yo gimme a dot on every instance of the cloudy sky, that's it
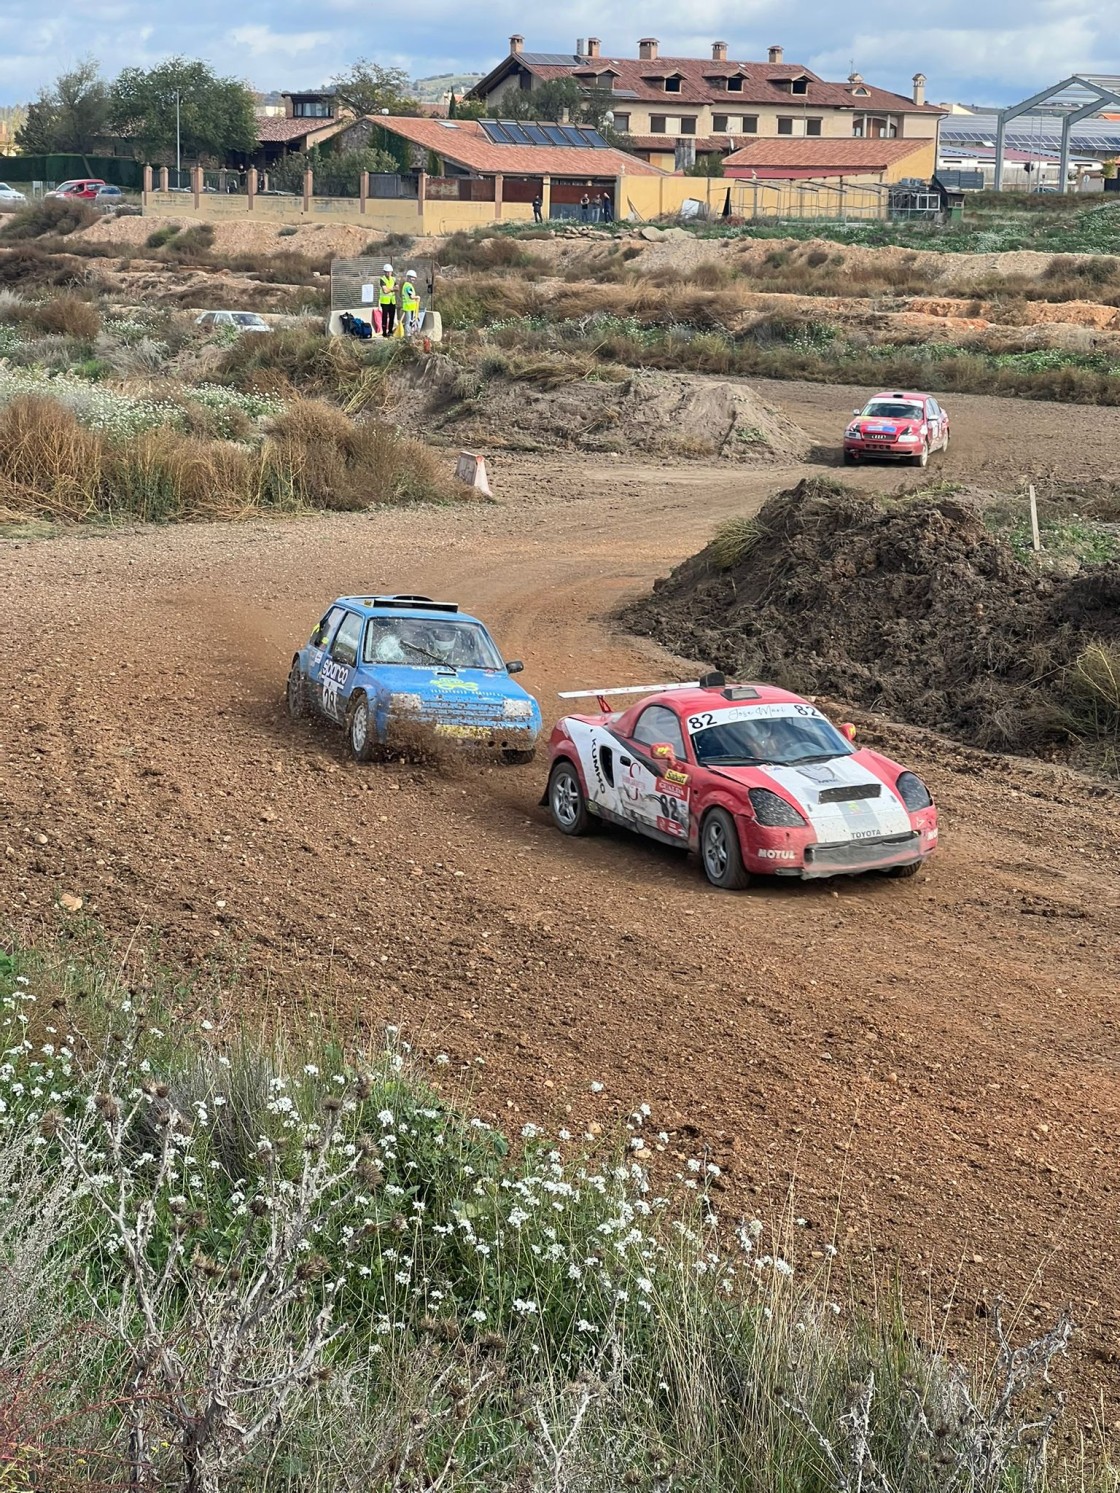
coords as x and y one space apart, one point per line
971 50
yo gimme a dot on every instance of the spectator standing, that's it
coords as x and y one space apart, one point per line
585 208
387 287
410 304
608 208
538 204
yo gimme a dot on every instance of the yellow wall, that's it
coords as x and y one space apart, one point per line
381 214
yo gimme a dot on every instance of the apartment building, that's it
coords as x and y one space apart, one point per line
715 104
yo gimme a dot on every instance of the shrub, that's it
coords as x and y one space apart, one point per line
190 245
288 232
310 361
162 235
53 215
472 252
1093 686
68 315
312 456
733 541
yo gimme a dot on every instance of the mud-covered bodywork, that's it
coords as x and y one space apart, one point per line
405 662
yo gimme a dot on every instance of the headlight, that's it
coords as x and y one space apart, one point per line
913 792
405 702
771 810
908 439
518 708
853 430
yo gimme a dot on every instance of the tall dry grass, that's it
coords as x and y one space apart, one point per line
312 456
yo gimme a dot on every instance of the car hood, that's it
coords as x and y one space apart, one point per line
452 688
881 426
846 798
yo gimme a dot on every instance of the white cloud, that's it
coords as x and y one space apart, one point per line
262 41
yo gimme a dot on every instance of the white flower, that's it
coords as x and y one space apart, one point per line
530 1132
525 1308
311 1070
387 1118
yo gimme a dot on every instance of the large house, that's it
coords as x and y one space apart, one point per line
716 104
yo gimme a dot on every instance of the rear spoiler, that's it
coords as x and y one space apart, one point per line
603 695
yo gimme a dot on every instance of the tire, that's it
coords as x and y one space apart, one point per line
903 873
720 856
360 735
922 458
945 442
566 802
850 458
515 757
298 708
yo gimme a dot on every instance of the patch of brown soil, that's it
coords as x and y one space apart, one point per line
662 413
912 608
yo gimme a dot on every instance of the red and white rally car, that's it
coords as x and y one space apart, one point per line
897 427
754 778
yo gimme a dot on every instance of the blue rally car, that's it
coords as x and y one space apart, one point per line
377 661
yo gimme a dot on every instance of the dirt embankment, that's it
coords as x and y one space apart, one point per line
913 608
657 413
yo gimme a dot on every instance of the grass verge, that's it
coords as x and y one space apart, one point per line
238 1262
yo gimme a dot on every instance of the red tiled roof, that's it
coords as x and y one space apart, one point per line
276 128
464 142
761 84
821 153
705 144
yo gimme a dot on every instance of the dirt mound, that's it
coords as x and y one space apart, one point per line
908 606
552 405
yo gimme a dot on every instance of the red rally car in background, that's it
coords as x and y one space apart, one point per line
753 778
897 427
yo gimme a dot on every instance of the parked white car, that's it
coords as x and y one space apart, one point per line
9 197
244 321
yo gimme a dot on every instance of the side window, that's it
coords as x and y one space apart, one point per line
344 650
659 724
322 635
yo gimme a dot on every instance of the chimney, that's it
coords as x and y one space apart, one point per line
919 88
776 55
516 45
593 46
719 51
647 48
581 47
855 79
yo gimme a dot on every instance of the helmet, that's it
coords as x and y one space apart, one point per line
412 274
442 640
387 269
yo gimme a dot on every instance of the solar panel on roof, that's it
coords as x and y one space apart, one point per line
555 134
536 134
571 136
515 132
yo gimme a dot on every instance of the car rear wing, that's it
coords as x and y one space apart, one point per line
603 696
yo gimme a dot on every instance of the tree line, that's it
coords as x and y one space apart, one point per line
180 103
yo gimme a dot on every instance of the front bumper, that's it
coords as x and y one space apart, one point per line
882 450
855 856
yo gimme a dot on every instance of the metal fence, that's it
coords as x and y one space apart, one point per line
354 282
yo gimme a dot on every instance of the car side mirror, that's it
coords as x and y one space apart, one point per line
848 730
514 666
664 751
857 412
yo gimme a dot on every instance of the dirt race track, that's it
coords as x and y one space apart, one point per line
941 1055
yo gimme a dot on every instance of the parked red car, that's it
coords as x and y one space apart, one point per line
81 186
897 427
756 780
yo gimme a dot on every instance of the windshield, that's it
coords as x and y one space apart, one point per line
426 642
248 319
742 738
893 409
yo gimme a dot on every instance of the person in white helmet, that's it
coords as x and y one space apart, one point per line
410 304
388 297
